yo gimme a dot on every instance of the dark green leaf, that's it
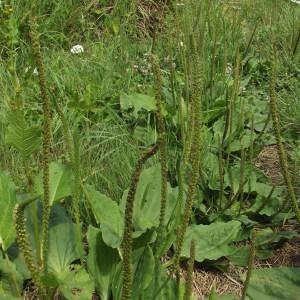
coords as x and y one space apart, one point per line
101 262
163 286
137 102
62 247
108 215
76 284
147 200
212 241
11 281
275 284
60 182
267 236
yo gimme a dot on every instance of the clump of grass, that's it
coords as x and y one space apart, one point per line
280 147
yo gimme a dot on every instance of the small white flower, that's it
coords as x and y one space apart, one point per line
229 69
296 1
77 49
181 44
35 71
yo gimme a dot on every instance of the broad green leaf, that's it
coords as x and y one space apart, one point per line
147 200
262 189
108 215
137 102
267 236
272 205
60 182
62 247
242 143
163 286
10 279
281 283
62 240
50 280
143 270
240 257
210 167
212 241
20 135
76 284
101 262
142 267
7 202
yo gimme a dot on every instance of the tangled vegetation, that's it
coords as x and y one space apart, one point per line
131 137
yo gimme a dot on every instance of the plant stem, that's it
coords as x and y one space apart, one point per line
195 152
250 265
161 144
46 140
189 280
128 226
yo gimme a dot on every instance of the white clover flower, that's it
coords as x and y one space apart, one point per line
77 49
35 71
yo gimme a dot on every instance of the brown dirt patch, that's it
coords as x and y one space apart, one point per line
223 283
288 254
268 162
151 15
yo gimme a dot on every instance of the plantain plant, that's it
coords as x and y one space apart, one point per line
196 81
207 120
36 48
161 142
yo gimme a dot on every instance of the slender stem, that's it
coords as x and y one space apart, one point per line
195 151
128 226
46 140
250 265
161 144
189 280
